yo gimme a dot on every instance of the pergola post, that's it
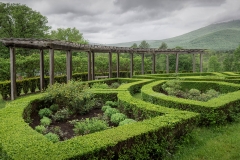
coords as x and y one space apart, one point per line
177 58
69 65
93 65
110 64
201 62
167 63
89 66
194 63
118 65
153 63
41 70
142 63
131 65
13 73
51 66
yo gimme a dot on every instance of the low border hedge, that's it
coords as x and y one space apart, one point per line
150 138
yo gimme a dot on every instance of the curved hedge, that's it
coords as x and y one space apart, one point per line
214 111
151 138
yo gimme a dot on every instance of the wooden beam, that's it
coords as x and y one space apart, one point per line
167 63
93 65
110 64
131 65
13 73
41 70
177 60
153 64
51 66
201 62
118 66
194 63
69 65
89 66
142 63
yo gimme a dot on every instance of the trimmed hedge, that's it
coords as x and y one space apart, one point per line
215 111
151 138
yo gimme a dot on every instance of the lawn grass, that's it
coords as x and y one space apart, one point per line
2 102
211 143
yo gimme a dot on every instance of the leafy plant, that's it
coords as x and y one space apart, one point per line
45 121
52 137
54 107
110 111
89 126
61 115
117 118
111 103
115 85
127 121
45 112
100 86
41 129
104 108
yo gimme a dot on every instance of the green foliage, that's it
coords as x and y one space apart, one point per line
89 126
163 46
100 86
45 112
213 64
45 121
115 85
52 137
104 108
144 44
41 129
110 111
117 118
127 121
54 107
61 115
134 45
76 95
111 103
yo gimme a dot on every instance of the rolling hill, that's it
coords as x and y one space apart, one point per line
219 36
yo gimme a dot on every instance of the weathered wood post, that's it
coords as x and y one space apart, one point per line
177 58
69 65
167 63
93 65
118 65
51 66
194 63
13 73
110 64
89 66
201 62
41 70
131 65
142 63
153 63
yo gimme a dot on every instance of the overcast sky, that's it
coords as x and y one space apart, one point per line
116 21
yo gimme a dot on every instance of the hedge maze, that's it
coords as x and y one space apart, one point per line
162 120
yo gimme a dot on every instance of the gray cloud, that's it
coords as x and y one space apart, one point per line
112 21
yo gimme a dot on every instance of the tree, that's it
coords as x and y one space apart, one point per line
213 64
134 45
163 46
236 61
69 34
20 21
144 44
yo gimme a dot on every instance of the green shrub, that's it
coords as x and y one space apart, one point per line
76 95
45 112
110 111
104 108
100 86
41 129
52 137
212 93
54 107
111 103
45 121
61 115
115 85
89 126
127 121
117 118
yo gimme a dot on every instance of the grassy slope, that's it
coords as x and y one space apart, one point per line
215 36
2 102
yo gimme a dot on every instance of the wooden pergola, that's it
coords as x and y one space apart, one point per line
51 45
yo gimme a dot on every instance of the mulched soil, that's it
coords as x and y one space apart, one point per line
66 127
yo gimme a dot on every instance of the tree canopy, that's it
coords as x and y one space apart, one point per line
144 44
163 46
134 45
